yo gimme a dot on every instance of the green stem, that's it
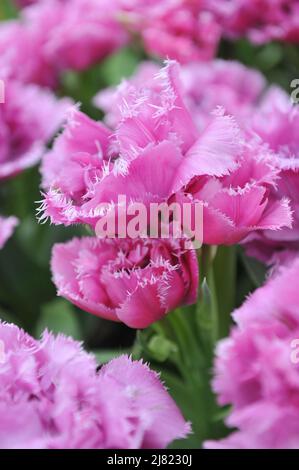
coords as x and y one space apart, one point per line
205 258
195 331
194 367
225 267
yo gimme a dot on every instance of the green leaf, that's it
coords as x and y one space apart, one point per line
37 240
7 10
161 348
9 317
58 316
256 270
207 323
118 66
221 414
24 286
270 56
204 307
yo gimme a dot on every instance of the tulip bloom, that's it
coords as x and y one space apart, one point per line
184 30
133 281
205 86
157 154
261 20
29 117
257 367
276 121
57 35
53 397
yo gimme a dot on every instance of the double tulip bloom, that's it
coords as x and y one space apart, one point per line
256 368
52 396
133 281
156 153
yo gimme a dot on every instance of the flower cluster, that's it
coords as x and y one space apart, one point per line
200 138
205 86
56 35
52 397
269 120
231 173
260 20
185 30
218 165
257 367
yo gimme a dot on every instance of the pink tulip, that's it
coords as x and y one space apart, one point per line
205 86
79 160
29 117
184 30
57 35
224 83
276 121
257 367
134 281
53 397
261 20
157 154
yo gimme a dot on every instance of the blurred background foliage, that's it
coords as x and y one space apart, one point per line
28 297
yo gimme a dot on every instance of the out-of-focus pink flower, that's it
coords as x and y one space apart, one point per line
23 39
229 84
184 30
25 3
133 281
178 29
261 20
7 227
29 117
55 36
205 86
276 121
157 154
257 367
52 397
